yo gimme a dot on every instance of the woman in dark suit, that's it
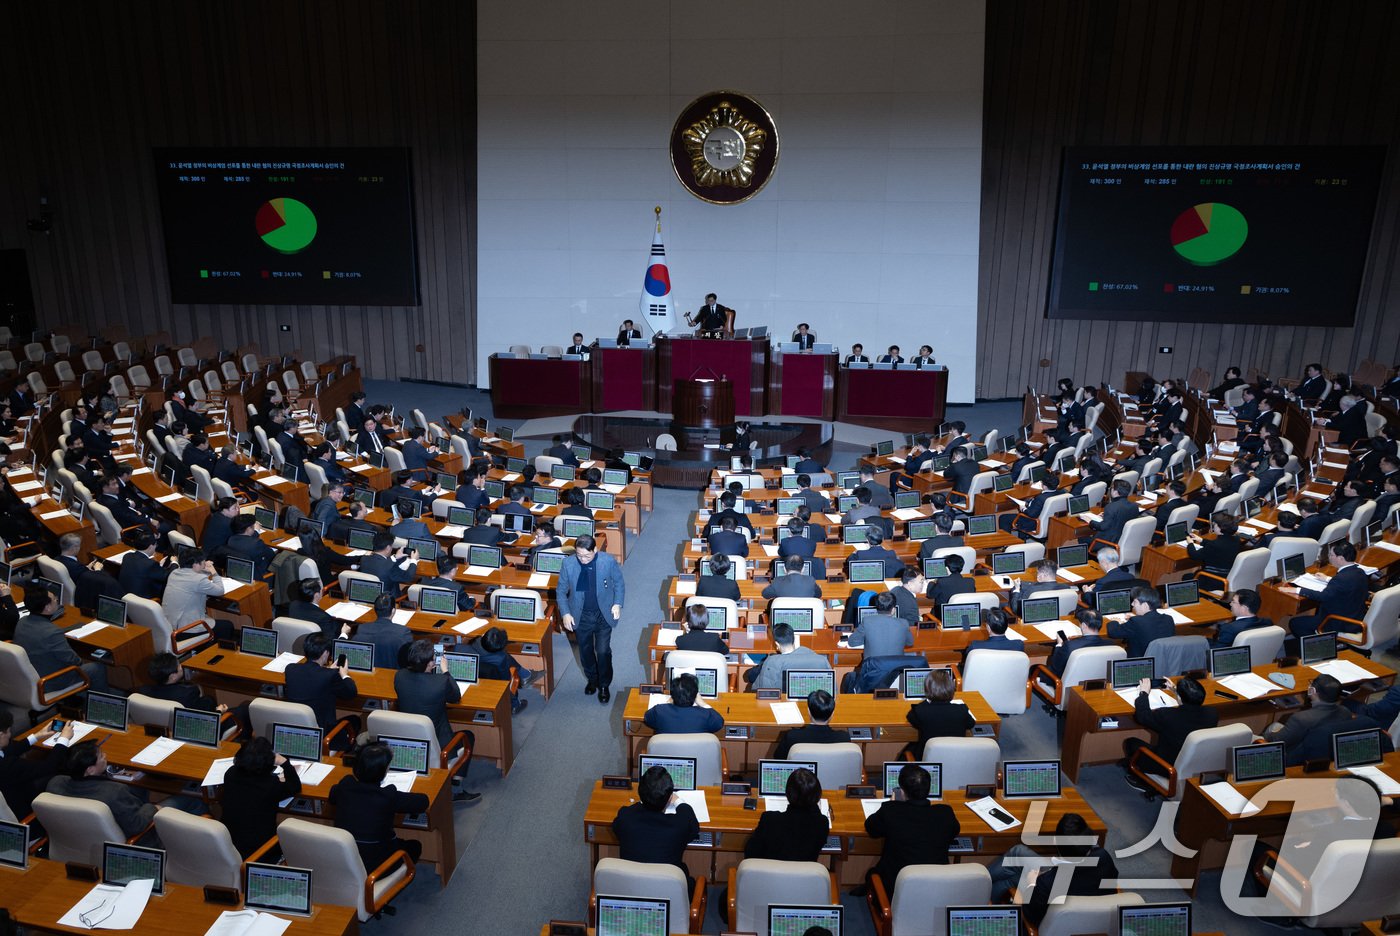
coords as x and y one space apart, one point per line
799 832
938 716
367 810
251 794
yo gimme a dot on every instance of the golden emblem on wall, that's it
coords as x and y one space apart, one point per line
724 147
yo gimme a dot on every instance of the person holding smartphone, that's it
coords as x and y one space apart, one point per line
315 683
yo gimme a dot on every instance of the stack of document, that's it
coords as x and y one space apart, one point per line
1311 580
695 799
780 804
248 923
1229 799
1156 698
347 610
1053 629
78 633
1069 576
470 626
157 751
1344 671
279 663
1248 685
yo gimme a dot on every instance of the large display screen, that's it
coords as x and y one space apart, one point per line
275 226
1268 235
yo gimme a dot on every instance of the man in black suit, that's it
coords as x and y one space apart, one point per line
915 831
1170 725
875 549
1314 385
793 584
228 470
561 450
1089 865
1114 577
1248 410
1090 635
1231 381
880 497
97 440
797 543
727 500
402 489
957 430
1147 623
1142 454
578 347
368 810
305 593
1270 477
323 457
803 337
696 633
1346 595
1024 523
924 358
713 317
815 500
293 448
628 333
646 832
515 501
1217 555
353 520
961 471
369 442
997 624
1047 579
316 683
1350 423
808 465
891 356
857 355
1288 523
820 706
1314 520
1172 411
394 571
942 539
355 411
718 584
1116 513
24 777
186 414
389 639
141 574
728 541
122 511
244 543
942 590
1244 606
483 532
906 594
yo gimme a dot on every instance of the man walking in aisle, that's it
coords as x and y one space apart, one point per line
591 594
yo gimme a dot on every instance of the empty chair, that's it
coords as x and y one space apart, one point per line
164 637
56 571
758 882
838 765
665 442
148 710
264 713
92 360
204 484
1264 643
711 766
37 385
21 686
137 376
520 350
1204 750
922 893
1360 521
292 633
1085 663
1180 654
199 850
1034 552
229 370
339 876
308 372
64 372
1370 897
187 357
1000 676
77 827
393 459
1337 529
617 877
163 366
1136 536
965 760
34 352
7 361
968 554
552 350
1247 571
1097 914
249 363
1095 492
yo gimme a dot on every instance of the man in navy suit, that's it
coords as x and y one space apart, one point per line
1114 576
1025 523
388 638
875 549
797 544
808 465
1346 594
681 715
996 627
815 500
1147 623
727 541
1175 498
942 590
1314 385
727 500
1090 635
323 457
472 493
1244 605
141 574
1314 520
561 450
961 471
416 455
394 572
803 337
218 528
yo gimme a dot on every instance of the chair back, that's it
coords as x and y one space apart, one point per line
730 606
1369 898
1264 643
1282 547
1025 474
643 879
1000 676
92 360
1249 568
315 480
1034 551
148 710
393 459
1098 914
520 350
924 892
338 874
264 713
1179 654
198 850
406 725
187 357
1337 529
1360 521
814 605
981 483
705 748
1248 489
692 660
500 593
838 765
249 362
1069 599
163 366
350 575
1208 749
34 351
1382 619
1088 663
230 371
292 633
964 760
665 442
58 572
77 827
1187 513
108 532
1053 505
1137 536
968 554
544 463
19 681
1095 492
308 371
203 482
763 881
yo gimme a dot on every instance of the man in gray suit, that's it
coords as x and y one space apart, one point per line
591 594
1324 695
863 510
883 634
789 657
87 779
48 650
326 510
794 584
880 497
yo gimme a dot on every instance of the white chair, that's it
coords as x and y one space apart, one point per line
203 482
1283 547
981 483
1336 530
552 350
620 878
1204 750
64 372
1000 676
1381 625
393 459
229 369
1264 643
58 572
187 357
1052 506
249 362
420 728
520 350
1095 492
349 575
78 827
1034 551
308 372
121 351
339 876
1097 914
924 892
7 361
965 760
838 765
292 633
730 606
163 366
1248 489
147 710
814 605
757 882
1187 513
1025 476
1180 653
1136 536
264 713
1247 571
138 377
711 765
1230 504
315 480
1086 663
544 464
665 442
1359 522
530 593
164 637
688 661
199 851
1069 599
22 687
968 554
92 360
1371 895
34 352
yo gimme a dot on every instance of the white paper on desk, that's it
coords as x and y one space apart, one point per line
1148 498
984 808
1156 698
347 610
538 580
1248 685
26 486
403 616
32 501
1013 634
770 551
786 713
1311 580
491 440
871 806
1263 526
1289 508
613 488
1210 475
248 923
78 633
290 542
780 804
157 751
834 517
279 663
1329 464
1017 501
510 477
401 780
345 457
896 459
696 800
685 588
1387 784
1176 615
272 480
667 637
311 774
166 499
361 468
214 776
558 483
1053 629
1344 670
141 471
1391 547
471 626
1089 516
907 513
1229 799
80 731
124 421
1369 570
991 463
125 903
52 514
19 472
1069 576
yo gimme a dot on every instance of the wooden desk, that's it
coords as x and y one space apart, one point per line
743 361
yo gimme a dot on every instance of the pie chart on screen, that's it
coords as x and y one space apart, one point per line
286 225
1209 233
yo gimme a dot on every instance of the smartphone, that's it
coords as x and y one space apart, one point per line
437 656
750 802
57 724
341 661
215 658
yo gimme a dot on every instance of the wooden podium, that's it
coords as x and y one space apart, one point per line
704 404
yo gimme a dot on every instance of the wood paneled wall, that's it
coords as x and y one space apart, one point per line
87 89
1192 72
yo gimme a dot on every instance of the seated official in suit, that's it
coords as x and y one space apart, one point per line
857 356
244 542
1314 385
395 568
682 715
712 317
883 634
1244 608
25 768
790 656
962 470
228 470
802 542
1047 579
169 682
483 532
369 811
218 528
417 453
924 358
646 832
794 583
1324 707
942 590
1024 523
821 705
1176 497
253 787
48 650
1217 555
797 833
815 500
1116 513
1147 623
560 449
997 623
85 776
880 496
389 639
916 832
957 437
1210 494
1115 575
578 347
316 683
403 490
696 635
1170 725
628 333
906 594
891 356
1346 595
1089 866
1090 635
305 593
353 519
497 663
864 509
803 337
142 574
808 465
938 715
943 538
727 540
875 549
420 688
727 500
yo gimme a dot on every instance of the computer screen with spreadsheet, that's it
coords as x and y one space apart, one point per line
437 600
14 844
295 742
855 534
1229 661
598 500
240 570
935 568
1319 648
364 590
1356 748
1003 483
409 754
258 641
984 921
799 619
1183 593
1163 919
107 711
1250 762
920 529
787 506
516 608
884 448
124 863
195 727
681 769
865 570
914 680
1008 563
1113 602
960 616
1125 674
716 619
1039 778
982 526
1067 556
427 548
111 611
847 480
633 916
463 667
773 775
797 919
277 889
708 679
549 562
799 684
562 472
1040 610
1176 532
458 516
497 490
935 776
484 557
1290 567
1078 504
265 517
362 539
359 656
617 476
907 500
576 526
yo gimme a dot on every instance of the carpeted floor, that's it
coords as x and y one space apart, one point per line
523 858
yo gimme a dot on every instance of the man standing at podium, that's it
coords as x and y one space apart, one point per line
713 317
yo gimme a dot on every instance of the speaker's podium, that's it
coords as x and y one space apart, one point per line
703 403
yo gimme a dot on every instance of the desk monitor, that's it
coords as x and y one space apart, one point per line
598 500
633 916
518 523
1078 504
1003 483
516 609
869 611
496 490
1229 661
855 534
290 472
921 529
562 472
265 517
617 476
122 863
1068 556
744 480
934 771
582 452
445 480
1008 563
788 482
427 548
732 574
681 769
463 667
913 680
632 459
707 677
787 506
848 480
1157 919
961 616
14 845
364 539
716 618
797 919
364 590
846 502
1113 602
792 461
409 508
359 656
576 526
907 500
1359 748
940 463
1250 762
314 527
296 742
437 600
864 571
1126 674
1180 594
884 448
998 920
111 610
258 641
550 561
364 496
983 525
1040 610
1031 778
1318 648
773 775
240 570
485 557
799 619
799 684
1040 475
191 489
935 567
514 465
1290 567
5 572
544 496
277 889
105 710
195 727
409 754
1176 532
